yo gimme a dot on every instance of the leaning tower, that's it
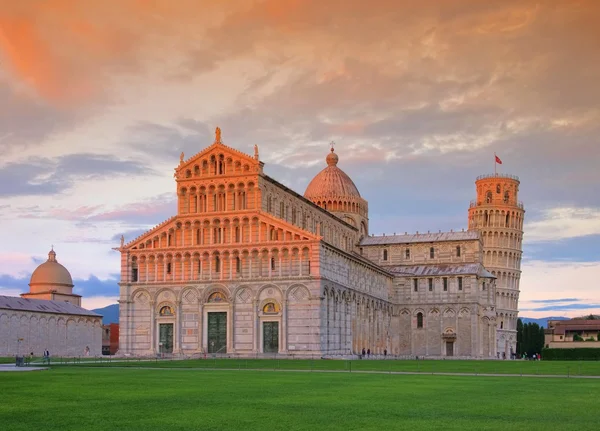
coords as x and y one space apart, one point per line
498 216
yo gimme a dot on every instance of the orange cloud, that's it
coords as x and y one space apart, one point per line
65 49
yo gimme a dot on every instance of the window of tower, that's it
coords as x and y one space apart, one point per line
445 284
430 281
506 197
416 284
498 188
431 253
458 251
419 320
488 197
407 253
385 255
460 283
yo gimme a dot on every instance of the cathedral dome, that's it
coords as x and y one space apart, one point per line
331 182
51 272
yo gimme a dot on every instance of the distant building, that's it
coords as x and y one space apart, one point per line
248 266
110 338
49 317
574 333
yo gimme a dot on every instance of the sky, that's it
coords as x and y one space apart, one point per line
99 98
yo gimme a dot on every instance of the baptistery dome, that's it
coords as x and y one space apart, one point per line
51 272
52 281
331 182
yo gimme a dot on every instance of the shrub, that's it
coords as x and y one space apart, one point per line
571 354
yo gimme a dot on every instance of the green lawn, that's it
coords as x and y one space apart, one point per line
572 368
78 398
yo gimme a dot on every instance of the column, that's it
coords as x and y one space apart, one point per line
177 346
255 326
284 329
200 325
230 330
280 262
152 328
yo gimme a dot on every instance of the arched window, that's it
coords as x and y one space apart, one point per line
431 253
498 188
217 264
385 255
506 197
501 325
166 311
168 267
217 297
488 197
238 264
458 251
407 253
134 272
273 264
419 320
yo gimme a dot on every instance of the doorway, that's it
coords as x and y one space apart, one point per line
165 331
449 348
270 337
217 332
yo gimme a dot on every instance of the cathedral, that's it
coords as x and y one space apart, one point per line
249 267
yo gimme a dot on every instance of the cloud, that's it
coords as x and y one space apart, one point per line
42 176
550 280
167 142
151 211
564 223
553 301
565 307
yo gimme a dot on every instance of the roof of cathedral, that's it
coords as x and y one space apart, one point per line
51 272
440 269
43 306
331 182
307 201
420 237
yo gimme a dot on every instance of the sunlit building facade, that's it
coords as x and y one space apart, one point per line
248 266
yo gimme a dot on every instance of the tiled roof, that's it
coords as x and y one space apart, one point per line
420 237
437 270
43 306
331 182
561 326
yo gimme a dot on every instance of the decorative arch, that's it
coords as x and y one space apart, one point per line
166 311
270 306
216 288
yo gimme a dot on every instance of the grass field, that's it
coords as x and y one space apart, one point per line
565 368
79 398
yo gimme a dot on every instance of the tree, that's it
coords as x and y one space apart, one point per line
519 337
530 338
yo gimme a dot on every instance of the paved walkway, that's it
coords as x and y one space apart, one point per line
13 367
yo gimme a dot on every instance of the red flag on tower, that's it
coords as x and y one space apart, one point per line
498 159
